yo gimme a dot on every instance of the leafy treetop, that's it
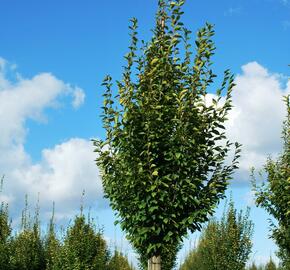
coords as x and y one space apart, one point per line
162 161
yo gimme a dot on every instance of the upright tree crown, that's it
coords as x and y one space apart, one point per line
162 162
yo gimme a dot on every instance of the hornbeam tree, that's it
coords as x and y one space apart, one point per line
163 159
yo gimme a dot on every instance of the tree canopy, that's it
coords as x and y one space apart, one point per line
162 161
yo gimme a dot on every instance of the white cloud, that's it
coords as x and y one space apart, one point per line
61 176
257 116
79 98
28 98
63 171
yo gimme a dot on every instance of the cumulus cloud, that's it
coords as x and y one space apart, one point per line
61 176
27 99
78 98
63 171
257 116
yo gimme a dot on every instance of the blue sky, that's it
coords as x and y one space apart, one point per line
53 56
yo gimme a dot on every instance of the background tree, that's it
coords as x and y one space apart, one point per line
27 247
83 248
253 267
224 244
270 265
192 261
51 245
162 162
5 234
274 194
119 262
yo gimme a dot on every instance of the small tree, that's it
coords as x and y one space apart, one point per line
224 244
192 261
274 195
162 162
52 245
119 262
83 248
270 265
27 248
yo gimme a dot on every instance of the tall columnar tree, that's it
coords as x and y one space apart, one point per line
224 244
162 161
274 194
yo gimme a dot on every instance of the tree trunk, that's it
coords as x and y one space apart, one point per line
154 263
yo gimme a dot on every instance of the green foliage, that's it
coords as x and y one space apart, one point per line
274 195
52 245
254 267
83 248
192 261
270 265
28 250
224 244
119 262
5 234
168 255
27 247
162 162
